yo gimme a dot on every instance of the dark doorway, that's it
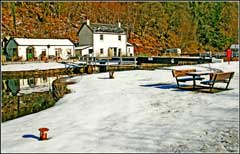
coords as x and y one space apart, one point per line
30 53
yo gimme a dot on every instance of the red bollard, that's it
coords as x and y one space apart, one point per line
229 55
43 133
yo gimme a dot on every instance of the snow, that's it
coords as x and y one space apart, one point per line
28 41
32 66
130 114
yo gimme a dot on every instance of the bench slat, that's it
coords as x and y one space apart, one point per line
208 82
189 79
178 73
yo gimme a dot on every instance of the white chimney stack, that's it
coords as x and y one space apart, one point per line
119 24
88 22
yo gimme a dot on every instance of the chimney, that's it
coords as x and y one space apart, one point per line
88 22
119 24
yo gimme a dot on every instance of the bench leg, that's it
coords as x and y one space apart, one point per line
211 87
228 84
177 83
194 82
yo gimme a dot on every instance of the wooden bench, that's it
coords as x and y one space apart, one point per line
220 77
182 76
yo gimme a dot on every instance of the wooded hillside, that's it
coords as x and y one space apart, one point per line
151 26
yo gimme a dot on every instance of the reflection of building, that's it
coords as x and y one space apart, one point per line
103 40
36 84
11 86
26 86
35 49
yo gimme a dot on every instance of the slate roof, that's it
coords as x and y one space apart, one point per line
107 28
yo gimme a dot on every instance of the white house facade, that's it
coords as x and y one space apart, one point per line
35 49
106 40
235 50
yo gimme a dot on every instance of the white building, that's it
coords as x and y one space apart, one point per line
235 50
34 49
103 40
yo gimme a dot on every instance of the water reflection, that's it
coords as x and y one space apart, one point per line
27 86
25 96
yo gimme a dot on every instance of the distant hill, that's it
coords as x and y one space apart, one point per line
152 26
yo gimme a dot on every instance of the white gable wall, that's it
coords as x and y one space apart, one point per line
85 36
109 40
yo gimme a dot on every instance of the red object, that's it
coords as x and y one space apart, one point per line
229 55
43 133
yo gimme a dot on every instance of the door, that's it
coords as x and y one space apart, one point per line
115 52
110 52
30 53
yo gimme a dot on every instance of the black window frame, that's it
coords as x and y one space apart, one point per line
101 36
119 37
101 51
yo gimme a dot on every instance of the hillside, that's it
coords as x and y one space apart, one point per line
151 26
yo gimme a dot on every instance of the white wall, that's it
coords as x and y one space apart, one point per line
39 83
130 50
86 51
22 51
109 40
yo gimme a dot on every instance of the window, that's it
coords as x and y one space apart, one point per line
58 52
69 51
101 37
119 52
115 51
101 51
44 53
119 37
90 51
15 52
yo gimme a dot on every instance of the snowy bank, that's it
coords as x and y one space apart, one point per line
130 114
32 66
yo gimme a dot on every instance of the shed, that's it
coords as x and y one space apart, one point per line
28 49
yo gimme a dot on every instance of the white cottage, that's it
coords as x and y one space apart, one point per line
103 40
34 49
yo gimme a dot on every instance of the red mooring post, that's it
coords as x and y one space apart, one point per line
43 133
229 55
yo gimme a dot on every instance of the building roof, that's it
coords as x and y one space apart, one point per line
82 47
234 46
108 28
43 42
129 44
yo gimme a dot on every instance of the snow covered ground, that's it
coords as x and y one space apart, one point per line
132 113
32 66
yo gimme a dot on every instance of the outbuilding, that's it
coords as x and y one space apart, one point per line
29 49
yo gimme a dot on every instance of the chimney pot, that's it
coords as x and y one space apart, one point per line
88 22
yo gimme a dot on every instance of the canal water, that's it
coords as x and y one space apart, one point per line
24 96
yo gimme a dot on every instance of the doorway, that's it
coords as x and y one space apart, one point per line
30 53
